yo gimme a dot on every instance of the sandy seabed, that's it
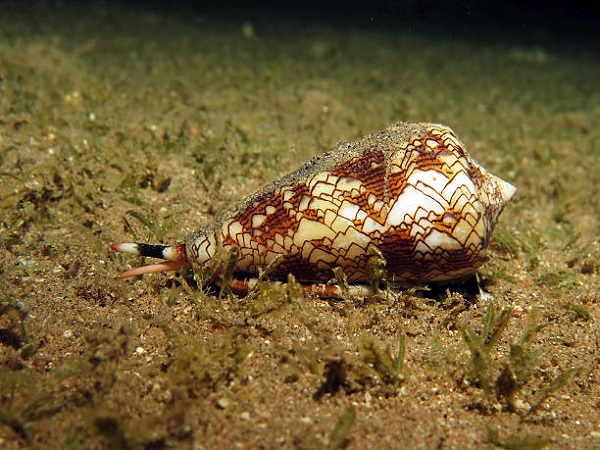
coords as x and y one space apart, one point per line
120 124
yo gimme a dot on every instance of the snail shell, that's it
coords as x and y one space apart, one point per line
410 192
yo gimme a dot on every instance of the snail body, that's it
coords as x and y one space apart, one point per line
410 193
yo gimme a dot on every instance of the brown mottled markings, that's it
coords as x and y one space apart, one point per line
370 169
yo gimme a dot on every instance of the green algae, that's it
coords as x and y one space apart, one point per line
139 124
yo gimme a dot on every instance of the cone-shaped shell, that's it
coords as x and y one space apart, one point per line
410 192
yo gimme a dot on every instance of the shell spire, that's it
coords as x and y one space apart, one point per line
410 193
